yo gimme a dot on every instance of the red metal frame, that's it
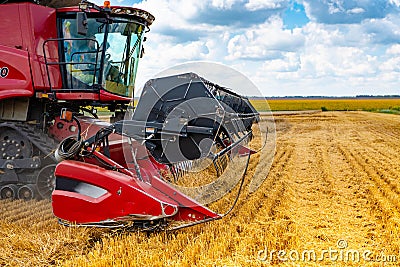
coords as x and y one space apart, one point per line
18 81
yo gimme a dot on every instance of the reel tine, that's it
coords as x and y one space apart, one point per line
180 169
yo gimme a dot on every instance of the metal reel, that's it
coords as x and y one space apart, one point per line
9 191
214 163
46 181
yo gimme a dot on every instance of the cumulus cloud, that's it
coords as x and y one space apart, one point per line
348 47
237 14
241 13
393 49
265 4
266 41
223 4
337 61
391 65
349 11
356 10
382 31
290 62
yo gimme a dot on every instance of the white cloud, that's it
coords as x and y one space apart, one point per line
337 61
266 41
349 11
391 65
161 54
395 2
166 15
335 7
223 4
321 34
289 63
336 51
394 49
356 10
262 4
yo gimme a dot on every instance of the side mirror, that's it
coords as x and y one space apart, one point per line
82 27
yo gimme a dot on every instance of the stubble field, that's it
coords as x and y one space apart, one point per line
331 198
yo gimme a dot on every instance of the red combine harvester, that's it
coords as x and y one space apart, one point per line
48 66
57 66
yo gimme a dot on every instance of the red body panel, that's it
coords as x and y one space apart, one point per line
124 197
106 97
24 29
41 26
16 80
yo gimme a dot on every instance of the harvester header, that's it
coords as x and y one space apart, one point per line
181 122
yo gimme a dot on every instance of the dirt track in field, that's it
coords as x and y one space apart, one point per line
333 190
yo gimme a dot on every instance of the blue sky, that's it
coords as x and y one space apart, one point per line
286 47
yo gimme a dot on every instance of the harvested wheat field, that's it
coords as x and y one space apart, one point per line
331 198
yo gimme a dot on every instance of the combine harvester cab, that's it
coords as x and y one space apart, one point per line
180 122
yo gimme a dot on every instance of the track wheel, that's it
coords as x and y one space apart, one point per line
26 192
13 145
9 191
46 181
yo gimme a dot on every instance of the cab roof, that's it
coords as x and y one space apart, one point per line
116 11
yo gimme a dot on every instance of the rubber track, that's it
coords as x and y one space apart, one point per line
38 138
